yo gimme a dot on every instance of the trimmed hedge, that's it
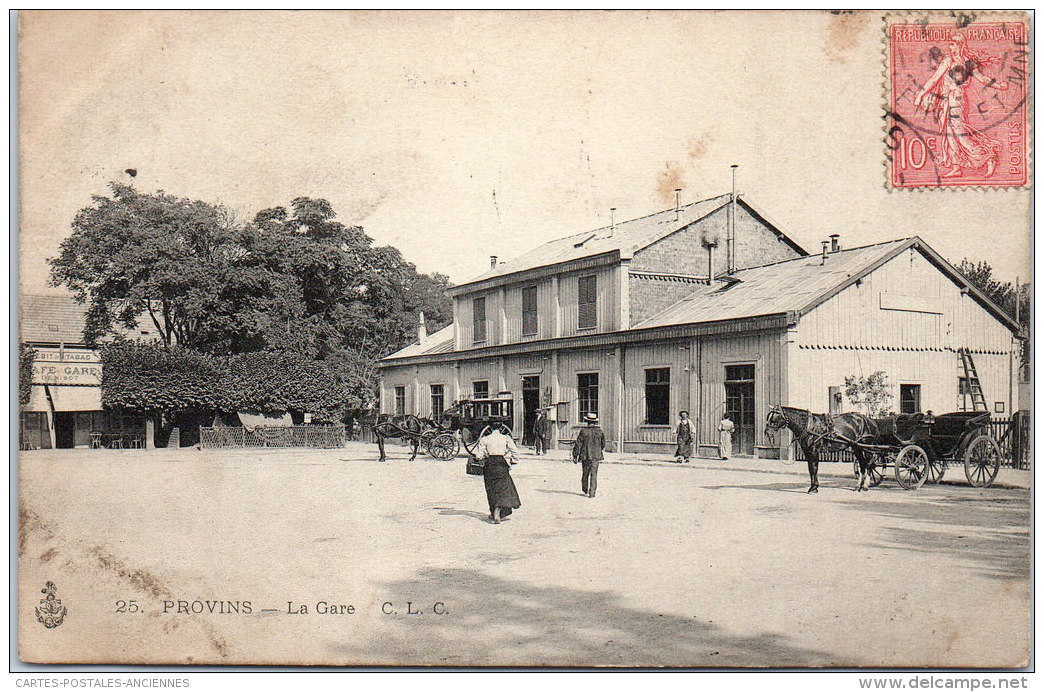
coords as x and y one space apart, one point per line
151 377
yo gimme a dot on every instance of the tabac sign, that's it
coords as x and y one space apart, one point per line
62 366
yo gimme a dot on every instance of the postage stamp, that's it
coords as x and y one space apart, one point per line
956 112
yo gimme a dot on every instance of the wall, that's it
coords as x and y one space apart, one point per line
683 252
851 334
555 317
651 295
677 355
766 352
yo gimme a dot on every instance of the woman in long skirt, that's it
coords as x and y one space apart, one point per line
498 450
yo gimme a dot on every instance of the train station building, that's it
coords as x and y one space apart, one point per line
711 308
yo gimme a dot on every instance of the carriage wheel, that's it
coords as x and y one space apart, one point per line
982 461
911 467
469 445
444 446
936 469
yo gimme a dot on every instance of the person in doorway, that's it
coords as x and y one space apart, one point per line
587 450
725 429
542 432
686 436
499 452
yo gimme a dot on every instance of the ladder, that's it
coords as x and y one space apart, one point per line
972 377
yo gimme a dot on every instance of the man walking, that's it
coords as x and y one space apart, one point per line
541 432
685 435
587 450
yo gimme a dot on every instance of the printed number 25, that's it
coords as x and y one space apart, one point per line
126 606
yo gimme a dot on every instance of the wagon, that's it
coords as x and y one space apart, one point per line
921 447
465 422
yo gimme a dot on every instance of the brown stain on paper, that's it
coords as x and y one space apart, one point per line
667 182
139 578
844 32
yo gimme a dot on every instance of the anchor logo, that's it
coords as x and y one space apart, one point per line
50 612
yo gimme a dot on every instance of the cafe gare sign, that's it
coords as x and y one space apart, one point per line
60 366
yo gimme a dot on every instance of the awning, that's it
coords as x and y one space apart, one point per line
37 400
75 398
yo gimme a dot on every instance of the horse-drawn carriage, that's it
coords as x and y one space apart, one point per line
920 446
461 424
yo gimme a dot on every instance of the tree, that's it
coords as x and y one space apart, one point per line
872 393
26 359
1013 301
154 257
294 281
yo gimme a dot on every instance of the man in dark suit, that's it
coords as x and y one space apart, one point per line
587 450
541 432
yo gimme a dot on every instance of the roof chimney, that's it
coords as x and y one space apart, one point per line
677 202
612 221
492 261
826 249
730 237
835 242
422 329
710 263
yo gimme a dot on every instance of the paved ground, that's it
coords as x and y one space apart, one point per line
709 564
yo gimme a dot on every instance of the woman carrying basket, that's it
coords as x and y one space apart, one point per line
498 450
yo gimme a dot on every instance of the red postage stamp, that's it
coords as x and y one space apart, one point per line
957 103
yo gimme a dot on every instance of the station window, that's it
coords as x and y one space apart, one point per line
587 314
587 393
529 310
658 396
438 402
478 311
400 401
909 398
480 389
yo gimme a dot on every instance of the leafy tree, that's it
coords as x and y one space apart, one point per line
872 393
159 258
294 281
1005 295
26 359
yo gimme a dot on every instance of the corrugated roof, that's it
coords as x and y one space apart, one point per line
627 237
438 342
46 318
782 287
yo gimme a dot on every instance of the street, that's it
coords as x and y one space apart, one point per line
715 563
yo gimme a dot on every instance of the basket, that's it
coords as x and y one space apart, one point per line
475 466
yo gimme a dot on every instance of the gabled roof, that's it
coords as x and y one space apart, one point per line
796 286
50 319
623 239
56 319
437 342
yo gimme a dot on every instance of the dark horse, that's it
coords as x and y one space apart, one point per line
408 427
818 433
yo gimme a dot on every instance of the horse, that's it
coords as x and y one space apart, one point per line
818 433
385 425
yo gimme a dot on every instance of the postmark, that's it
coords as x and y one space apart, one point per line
956 110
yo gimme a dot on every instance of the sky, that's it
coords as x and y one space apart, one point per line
455 136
